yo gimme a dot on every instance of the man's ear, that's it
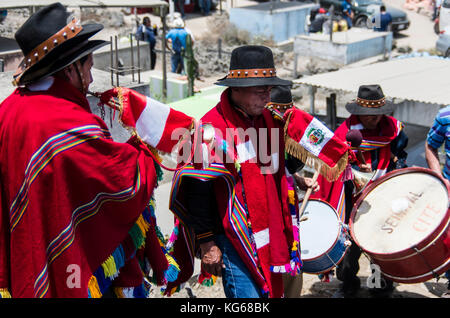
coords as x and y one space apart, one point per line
69 72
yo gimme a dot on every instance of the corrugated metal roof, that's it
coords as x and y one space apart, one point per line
422 79
8 4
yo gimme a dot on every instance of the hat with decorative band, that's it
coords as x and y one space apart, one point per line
281 98
50 40
252 65
370 101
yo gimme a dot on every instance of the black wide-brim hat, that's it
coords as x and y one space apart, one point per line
252 65
370 101
281 98
50 40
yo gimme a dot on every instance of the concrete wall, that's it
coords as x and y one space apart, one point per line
6 86
346 47
417 113
371 47
176 88
10 53
11 59
282 24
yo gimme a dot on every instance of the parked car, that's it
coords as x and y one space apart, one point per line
444 15
365 9
443 42
189 7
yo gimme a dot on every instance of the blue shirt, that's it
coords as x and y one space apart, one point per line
149 36
178 37
346 7
384 19
440 134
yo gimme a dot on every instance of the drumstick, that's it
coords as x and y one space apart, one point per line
111 103
307 194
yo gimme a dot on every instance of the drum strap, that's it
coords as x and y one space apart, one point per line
435 275
346 238
335 265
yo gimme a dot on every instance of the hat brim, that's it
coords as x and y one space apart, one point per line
355 109
52 68
252 81
45 66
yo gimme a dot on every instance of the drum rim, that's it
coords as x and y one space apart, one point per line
337 237
329 268
419 278
373 185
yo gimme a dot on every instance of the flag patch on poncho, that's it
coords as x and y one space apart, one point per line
315 144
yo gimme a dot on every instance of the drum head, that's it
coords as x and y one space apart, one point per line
320 231
399 211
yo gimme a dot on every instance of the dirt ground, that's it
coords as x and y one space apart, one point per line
314 288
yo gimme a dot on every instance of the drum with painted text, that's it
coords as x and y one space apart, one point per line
401 221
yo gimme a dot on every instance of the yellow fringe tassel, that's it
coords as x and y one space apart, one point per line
119 292
155 153
291 195
295 246
4 292
94 290
143 225
330 173
172 261
152 203
120 97
109 267
172 291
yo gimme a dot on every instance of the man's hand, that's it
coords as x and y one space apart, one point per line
305 183
432 158
365 167
211 258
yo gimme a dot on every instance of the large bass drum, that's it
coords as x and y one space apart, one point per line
401 221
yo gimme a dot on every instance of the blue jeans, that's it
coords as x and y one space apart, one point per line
206 6
179 6
236 278
349 21
176 60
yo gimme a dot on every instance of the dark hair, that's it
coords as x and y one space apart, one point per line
60 73
146 19
382 8
84 59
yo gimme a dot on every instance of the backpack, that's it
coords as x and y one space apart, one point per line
139 35
177 43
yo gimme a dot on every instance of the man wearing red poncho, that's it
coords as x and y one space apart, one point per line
76 207
380 149
235 212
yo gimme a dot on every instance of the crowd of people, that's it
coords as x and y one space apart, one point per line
179 39
321 19
77 208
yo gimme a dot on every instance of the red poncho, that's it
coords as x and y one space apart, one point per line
253 203
74 203
389 129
